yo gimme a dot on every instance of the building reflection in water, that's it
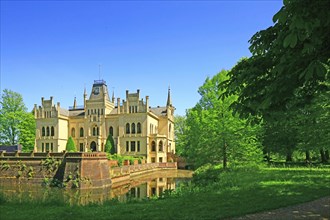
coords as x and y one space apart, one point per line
139 187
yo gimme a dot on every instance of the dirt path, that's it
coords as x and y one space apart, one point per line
318 209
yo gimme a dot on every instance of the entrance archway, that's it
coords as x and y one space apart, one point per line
93 146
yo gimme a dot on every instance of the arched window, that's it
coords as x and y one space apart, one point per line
73 132
43 131
47 131
153 146
160 146
127 128
52 132
111 130
81 132
95 130
133 128
139 128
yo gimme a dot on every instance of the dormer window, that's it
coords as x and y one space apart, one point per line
96 90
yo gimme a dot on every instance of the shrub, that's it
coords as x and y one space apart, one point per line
70 146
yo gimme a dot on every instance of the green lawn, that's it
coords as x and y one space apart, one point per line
231 194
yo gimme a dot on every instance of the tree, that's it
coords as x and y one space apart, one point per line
110 145
180 134
290 57
215 134
280 135
27 130
287 72
17 126
70 146
313 125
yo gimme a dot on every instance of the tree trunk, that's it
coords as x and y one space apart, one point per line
224 155
326 152
323 158
266 155
308 156
289 156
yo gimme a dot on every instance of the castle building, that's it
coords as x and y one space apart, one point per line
137 128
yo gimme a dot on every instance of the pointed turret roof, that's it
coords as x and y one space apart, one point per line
75 103
169 100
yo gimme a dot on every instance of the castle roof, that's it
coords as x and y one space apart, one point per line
159 111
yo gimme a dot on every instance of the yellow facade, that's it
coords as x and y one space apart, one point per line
137 129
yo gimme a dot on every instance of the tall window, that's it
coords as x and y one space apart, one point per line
127 128
42 147
81 146
132 146
111 131
43 131
169 130
127 146
138 146
47 131
81 132
51 147
133 128
139 128
160 145
153 146
52 132
96 131
73 132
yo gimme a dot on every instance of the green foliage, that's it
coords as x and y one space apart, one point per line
4 165
286 80
70 146
27 132
51 164
206 174
180 129
215 134
287 58
30 172
17 126
110 145
121 158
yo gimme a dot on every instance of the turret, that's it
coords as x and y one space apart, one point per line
169 100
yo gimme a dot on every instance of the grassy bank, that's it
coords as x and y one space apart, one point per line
214 195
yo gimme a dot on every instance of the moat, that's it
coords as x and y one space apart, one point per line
144 186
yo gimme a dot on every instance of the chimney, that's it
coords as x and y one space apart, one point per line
147 103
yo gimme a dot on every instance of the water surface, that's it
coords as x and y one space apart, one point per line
149 185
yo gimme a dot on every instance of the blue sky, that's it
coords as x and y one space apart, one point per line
54 48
